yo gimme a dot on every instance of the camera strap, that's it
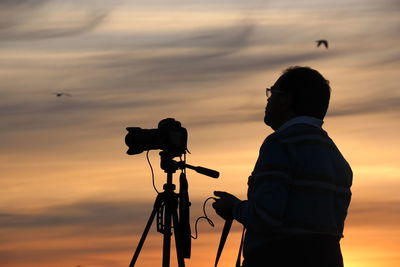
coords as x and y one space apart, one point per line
238 260
224 236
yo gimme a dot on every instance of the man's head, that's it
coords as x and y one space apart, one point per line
299 91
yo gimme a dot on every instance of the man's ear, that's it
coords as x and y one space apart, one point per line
287 104
287 101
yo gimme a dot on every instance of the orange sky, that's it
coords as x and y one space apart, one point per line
70 196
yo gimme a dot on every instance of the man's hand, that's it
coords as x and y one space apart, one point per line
224 204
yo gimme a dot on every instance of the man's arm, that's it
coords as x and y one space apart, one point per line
266 205
268 191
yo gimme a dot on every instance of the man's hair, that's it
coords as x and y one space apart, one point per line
310 91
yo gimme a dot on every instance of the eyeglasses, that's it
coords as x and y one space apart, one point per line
269 91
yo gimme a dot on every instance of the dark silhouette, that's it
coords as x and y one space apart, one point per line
322 42
172 209
62 94
299 191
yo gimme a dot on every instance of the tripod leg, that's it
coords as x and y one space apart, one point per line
178 239
143 238
167 235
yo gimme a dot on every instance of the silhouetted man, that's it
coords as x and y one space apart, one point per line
299 190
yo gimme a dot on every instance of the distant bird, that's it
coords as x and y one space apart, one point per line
62 94
324 42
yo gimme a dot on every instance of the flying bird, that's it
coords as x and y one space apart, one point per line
322 42
62 94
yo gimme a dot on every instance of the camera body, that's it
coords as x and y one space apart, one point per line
170 137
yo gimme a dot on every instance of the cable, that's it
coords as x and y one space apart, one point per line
152 172
203 217
204 205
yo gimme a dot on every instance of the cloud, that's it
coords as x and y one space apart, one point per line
88 217
21 3
85 228
53 255
96 217
42 19
157 78
139 79
51 112
229 38
374 214
109 228
373 105
55 31
153 75
16 13
205 57
254 112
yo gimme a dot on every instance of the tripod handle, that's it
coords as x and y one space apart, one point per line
204 171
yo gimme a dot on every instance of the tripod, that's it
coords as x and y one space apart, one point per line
166 209
166 201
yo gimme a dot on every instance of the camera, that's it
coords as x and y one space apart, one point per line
169 136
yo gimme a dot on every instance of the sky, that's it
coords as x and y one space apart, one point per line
69 193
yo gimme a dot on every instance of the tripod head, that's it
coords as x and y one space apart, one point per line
170 165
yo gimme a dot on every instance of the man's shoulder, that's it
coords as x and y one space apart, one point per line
299 136
296 130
